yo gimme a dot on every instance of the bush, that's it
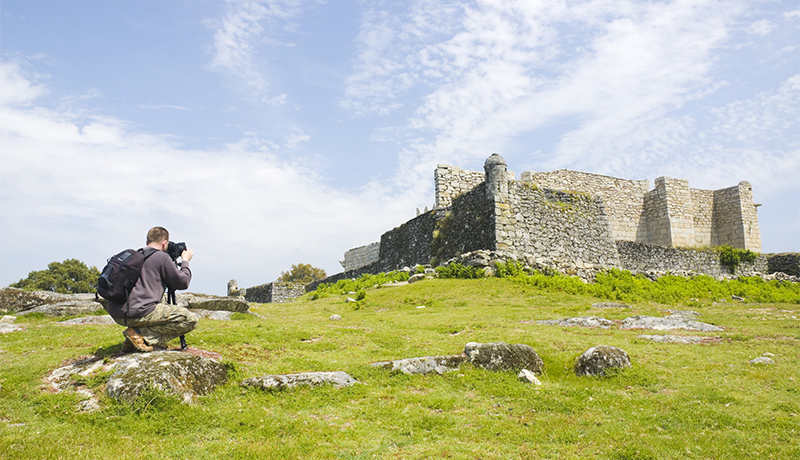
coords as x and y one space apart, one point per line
68 277
456 270
731 257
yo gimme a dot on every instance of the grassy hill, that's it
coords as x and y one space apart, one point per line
677 401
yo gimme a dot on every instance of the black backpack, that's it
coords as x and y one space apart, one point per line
120 274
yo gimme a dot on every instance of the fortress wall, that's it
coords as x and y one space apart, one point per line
469 225
452 181
642 258
554 225
409 244
704 229
680 211
361 256
623 199
728 217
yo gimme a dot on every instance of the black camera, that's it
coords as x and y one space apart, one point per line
175 249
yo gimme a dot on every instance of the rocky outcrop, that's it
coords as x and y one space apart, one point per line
338 379
598 359
184 375
684 339
14 300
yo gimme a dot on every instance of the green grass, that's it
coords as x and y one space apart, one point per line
677 401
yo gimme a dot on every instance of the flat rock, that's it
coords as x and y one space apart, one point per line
582 321
338 379
526 376
424 365
232 304
185 375
502 356
667 323
219 315
685 339
93 320
18 300
683 312
67 308
762 360
596 360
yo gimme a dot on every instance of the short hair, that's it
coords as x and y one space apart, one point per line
157 235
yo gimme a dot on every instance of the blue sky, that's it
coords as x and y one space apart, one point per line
265 133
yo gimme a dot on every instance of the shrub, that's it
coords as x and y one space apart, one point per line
731 257
456 270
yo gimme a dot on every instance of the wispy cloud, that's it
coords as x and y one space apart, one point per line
240 39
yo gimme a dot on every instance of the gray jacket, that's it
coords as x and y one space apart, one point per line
158 273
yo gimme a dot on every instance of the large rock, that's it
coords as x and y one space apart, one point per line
502 356
75 307
596 360
667 323
104 320
338 379
232 304
424 365
182 374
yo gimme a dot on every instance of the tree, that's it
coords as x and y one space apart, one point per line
68 277
303 273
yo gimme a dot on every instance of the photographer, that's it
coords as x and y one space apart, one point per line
150 319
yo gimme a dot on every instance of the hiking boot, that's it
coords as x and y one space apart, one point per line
136 339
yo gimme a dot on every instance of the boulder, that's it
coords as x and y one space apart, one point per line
338 379
335 318
582 321
762 360
424 365
502 356
416 277
232 304
182 374
667 323
17 300
596 360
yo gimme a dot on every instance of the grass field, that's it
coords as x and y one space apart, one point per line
676 402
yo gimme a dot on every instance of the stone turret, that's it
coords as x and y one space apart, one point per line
496 176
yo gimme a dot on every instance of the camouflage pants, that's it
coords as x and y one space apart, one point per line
163 324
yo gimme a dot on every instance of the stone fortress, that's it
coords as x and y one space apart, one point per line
569 219
574 222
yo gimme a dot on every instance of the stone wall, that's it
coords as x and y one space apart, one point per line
554 226
469 225
642 258
276 292
361 256
409 244
788 263
622 198
452 181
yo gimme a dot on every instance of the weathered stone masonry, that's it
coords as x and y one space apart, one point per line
570 218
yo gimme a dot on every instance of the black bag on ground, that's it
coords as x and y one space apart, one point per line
121 273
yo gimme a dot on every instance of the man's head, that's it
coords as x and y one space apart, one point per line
158 237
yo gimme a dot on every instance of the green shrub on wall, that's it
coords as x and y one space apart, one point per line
731 257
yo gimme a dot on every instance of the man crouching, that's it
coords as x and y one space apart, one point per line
150 319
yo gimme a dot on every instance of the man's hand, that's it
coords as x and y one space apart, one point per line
187 255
